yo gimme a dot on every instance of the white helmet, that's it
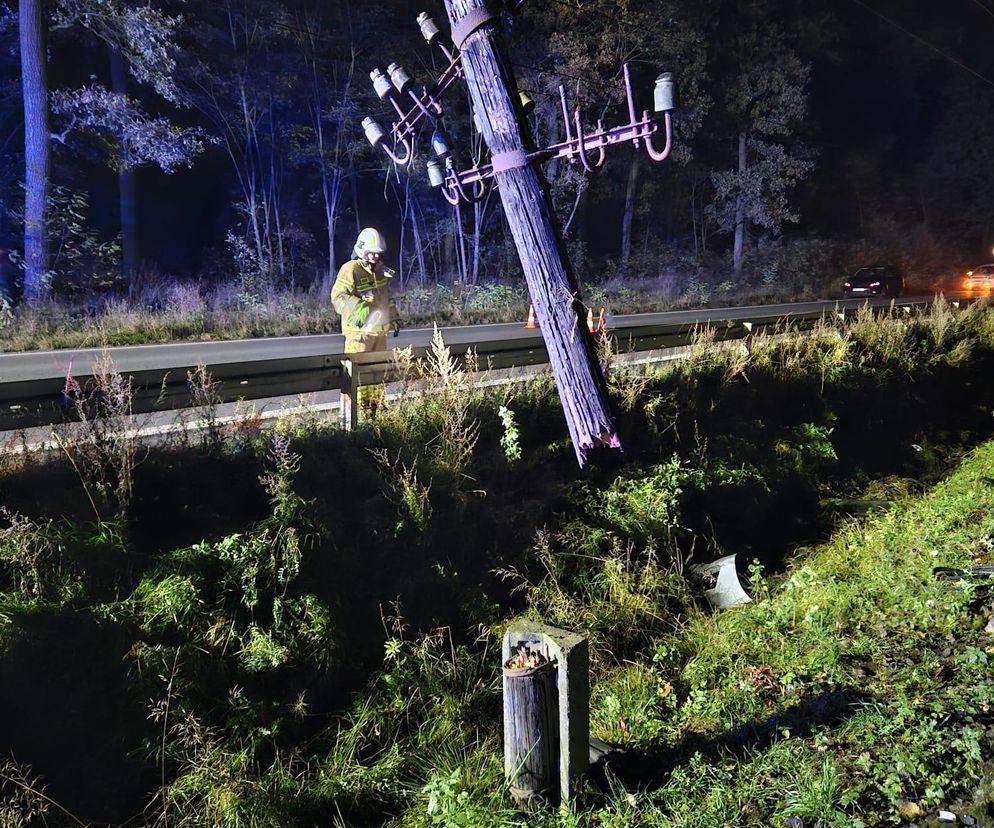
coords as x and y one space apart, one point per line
369 241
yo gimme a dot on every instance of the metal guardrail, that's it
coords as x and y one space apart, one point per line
33 384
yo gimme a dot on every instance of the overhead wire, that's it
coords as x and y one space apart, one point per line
985 7
924 42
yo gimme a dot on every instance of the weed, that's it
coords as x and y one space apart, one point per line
33 555
630 384
23 801
817 796
698 292
406 491
205 397
648 507
709 357
510 440
593 581
102 445
884 341
853 683
436 430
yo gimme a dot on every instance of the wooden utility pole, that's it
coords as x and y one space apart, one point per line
554 290
37 148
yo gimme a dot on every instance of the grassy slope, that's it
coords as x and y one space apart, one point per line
854 690
865 683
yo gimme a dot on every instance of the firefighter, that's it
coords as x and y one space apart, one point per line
361 295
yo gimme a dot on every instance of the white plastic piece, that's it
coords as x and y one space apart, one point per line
727 591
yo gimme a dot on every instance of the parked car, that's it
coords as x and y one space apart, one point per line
874 281
980 278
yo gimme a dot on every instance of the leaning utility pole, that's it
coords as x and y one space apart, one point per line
553 287
481 58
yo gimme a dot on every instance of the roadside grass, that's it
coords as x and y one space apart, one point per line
302 627
856 690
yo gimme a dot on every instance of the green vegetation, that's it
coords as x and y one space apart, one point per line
301 628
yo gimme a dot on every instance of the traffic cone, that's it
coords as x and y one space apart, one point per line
590 320
531 323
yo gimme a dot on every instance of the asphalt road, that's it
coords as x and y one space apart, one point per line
46 365
31 365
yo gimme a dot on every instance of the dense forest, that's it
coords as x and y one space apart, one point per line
222 141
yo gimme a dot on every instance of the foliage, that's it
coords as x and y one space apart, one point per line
765 103
144 34
149 140
33 557
510 441
648 506
81 263
261 623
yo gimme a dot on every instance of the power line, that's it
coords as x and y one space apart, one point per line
925 43
985 7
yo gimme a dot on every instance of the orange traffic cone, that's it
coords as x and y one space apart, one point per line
590 320
531 323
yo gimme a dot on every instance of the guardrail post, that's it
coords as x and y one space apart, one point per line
349 395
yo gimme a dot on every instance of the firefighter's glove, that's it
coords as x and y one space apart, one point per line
368 297
360 314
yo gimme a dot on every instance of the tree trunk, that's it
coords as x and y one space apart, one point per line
740 220
252 195
693 213
127 197
859 210
328 189
37 147
626 219
478 209
572 213
405 207
537 237
354 181
461 236
275 183
419 249
450 257
332 191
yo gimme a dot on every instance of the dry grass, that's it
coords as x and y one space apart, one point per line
170 311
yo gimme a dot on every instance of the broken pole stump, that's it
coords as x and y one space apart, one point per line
568 653
531 730
555 292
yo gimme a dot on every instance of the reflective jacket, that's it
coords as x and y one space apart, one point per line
356 279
